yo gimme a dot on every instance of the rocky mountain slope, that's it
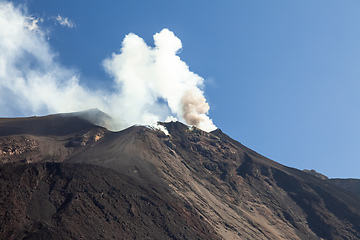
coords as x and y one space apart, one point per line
190 184
67 201
350 184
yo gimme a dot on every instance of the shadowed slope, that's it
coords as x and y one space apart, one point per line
220 182
48 138
242 194
52 125
350 184
122 151
65 201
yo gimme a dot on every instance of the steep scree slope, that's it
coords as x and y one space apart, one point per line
242 194
209 184
67 201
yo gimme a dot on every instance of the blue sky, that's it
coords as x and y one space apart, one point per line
281 77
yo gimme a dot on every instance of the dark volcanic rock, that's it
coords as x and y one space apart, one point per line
189 184
350 184
52 125
316 174
68 201
49 138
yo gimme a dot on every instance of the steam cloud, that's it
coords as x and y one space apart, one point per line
150 83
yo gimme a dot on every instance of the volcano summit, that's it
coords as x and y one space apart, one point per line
63 177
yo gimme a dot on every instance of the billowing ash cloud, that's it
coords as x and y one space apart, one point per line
150 83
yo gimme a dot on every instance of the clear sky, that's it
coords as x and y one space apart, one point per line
281 77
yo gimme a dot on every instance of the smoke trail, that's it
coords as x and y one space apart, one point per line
144 75
151 83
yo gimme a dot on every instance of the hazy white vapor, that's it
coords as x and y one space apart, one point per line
151 83
31 81
65 21
145 74
31 23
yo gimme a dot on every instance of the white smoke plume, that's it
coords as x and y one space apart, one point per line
150 83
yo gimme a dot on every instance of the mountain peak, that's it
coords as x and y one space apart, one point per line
316 174
218 187
94 116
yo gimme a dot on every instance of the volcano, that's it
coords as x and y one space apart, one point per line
64 177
